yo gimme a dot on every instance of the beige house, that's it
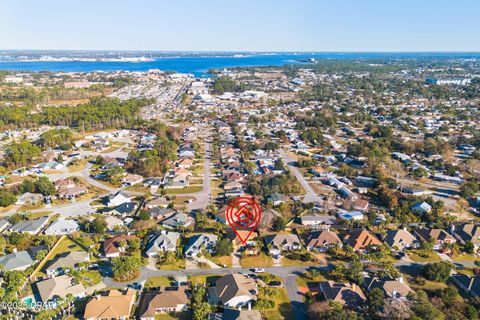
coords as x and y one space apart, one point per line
113 305
163 301
59 287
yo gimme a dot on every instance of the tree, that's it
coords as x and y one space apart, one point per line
41 255
144 215
7 198
438 271
469 247
376 299
424 309
44 186
469 189
223 247
21 153
99 225
200 307
279 224
126 267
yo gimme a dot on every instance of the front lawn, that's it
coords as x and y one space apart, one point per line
178 264
293 263
204 279
90 278
262 260
190 189
221 261
416 257
156 282
283 307
465 257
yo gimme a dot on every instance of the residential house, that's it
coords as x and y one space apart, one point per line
165 300
468 284
58 288
243 314
321 241
282 242
118 198
177 221
392 288
361 239
349 295
29 199
467 232
318 221
157 202
276 198
438 236
232 185
400 239
132 179
161 241
29 226
69 259
124 209
267 218
233 291
113 305
159 213
61 226
4 224
112 247
70 193
238 192
16 261
113 222
200 242
421 208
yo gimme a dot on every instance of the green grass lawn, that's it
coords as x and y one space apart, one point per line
179 264
414 255
224 260
282 309
190 189
465 257
292 263
202 279
304 280
262 260
66 245
157 282
185 315
90 278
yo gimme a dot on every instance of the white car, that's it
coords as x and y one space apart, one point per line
258 270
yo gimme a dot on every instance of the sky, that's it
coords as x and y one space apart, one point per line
241 25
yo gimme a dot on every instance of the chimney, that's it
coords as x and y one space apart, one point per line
400 280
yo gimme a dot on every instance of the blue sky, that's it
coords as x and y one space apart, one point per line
249 25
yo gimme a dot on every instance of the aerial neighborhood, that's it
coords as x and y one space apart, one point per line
115 189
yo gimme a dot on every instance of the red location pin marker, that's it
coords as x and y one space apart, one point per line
243 214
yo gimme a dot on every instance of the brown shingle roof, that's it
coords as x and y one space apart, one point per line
113 305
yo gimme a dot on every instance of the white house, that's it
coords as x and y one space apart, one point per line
118 198
233 291
201 242
62 227
161 242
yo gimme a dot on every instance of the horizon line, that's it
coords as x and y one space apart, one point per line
252 51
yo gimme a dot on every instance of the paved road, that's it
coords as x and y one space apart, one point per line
288 274
299 308
310 195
